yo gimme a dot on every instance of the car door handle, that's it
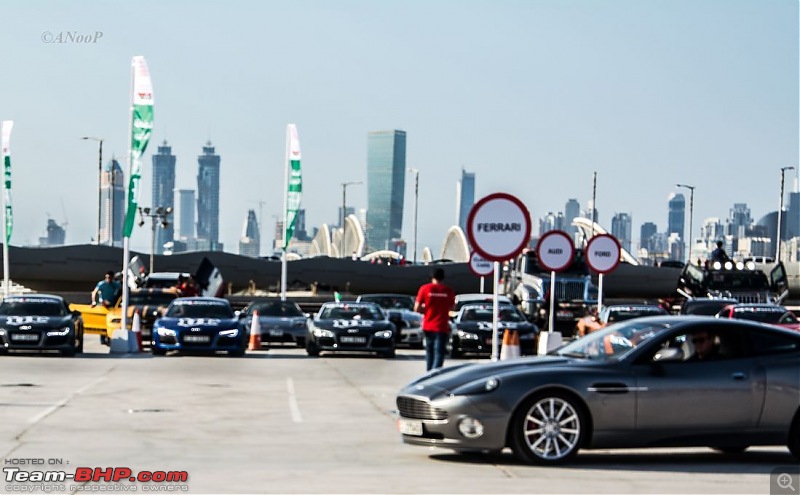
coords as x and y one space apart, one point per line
738 376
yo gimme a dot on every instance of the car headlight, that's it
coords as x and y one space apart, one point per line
321 332
166 332
384 334
470 427
481 386
62 332
467 335
233 332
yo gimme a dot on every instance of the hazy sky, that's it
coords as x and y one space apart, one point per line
532 95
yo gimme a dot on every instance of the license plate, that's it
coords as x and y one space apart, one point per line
276 332
196 338
353 340
28 337
410 427
564 315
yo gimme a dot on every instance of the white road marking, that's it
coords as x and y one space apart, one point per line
293 406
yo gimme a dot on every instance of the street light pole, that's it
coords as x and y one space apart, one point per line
344 211
416 204
99 181
159 215
691 218
780 212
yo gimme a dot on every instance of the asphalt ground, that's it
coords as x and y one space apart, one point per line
277 421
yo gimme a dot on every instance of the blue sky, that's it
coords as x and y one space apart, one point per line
533 96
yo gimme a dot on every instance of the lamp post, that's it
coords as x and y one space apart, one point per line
416 204
691 218
99 183
344 210
780 212
159 215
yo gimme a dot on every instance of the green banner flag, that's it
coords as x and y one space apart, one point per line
294 184
6 132
141 129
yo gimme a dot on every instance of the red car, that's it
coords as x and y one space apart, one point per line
764 313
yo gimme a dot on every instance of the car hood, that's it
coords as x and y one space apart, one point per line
202 323
444 380
486 327
35 322
354 324
280 320
406 314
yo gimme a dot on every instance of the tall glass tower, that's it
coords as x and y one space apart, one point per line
112 209
677 217
249 244
465 197
572 210
208 197
386 181
186 213
164 192
621 228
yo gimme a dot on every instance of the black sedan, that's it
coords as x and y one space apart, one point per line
38 323
472 333
281 322
350 326
638 383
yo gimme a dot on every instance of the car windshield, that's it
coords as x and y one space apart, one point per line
199 309
484 313
765 316
276 309
152 298
350 312
390 302
611 342
623 314
39 307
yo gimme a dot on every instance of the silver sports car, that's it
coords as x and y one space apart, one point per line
662 381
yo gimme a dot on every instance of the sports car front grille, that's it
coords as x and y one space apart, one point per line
419 409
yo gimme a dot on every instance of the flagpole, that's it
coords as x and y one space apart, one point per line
5 130
125 239
284 267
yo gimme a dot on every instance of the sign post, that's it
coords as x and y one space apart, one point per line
498 228
555 252
602 256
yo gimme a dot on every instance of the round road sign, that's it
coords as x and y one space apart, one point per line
480 266
602 253
499 227
555 250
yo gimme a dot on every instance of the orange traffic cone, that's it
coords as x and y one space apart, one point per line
255 333
135 343
510 349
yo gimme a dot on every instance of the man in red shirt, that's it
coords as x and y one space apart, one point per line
434 301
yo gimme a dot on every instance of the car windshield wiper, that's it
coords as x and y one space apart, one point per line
574 354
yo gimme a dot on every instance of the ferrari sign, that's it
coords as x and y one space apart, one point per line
499 227
602 253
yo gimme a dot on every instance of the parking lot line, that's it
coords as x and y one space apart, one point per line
293 406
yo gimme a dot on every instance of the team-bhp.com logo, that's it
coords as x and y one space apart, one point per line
89 475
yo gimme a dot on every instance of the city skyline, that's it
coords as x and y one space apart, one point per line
532 97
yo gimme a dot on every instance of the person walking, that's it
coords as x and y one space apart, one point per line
106 291
434 301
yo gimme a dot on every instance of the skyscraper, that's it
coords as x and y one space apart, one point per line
249 244
740 220
186 213
465 197
572 210
208 198
675 223
164 192
112 209
621 227
647 231
386 180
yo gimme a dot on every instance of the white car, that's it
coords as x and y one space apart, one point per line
463 299
400 309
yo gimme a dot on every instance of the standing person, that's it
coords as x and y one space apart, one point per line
434 301
719 254
106 290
